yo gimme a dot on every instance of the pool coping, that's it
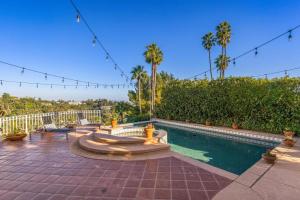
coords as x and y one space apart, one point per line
268 181
225 130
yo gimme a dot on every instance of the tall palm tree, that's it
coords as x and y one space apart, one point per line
154 56
223 36
222 62
138 73
208 41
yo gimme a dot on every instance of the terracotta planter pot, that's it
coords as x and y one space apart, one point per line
269 159
289 143
114 123
235 126
149 133
207 123
15 137
289 133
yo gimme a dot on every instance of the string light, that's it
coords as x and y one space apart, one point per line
82 18
78 18
205 76
23 70
107 56
285 73
37 85
290 35
20 84
234 61
289 32
51 86
1 82
46 76
63 79
94 41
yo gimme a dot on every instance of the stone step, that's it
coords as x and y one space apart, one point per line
86 142
111 139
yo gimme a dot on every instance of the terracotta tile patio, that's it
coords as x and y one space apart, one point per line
44 168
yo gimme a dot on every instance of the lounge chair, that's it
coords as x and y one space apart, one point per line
49 126
83 121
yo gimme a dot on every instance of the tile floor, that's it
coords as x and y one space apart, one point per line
44 168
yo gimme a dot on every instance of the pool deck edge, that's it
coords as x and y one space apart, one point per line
263 181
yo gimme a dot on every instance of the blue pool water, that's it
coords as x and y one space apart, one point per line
232 155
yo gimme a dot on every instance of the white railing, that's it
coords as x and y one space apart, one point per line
32 122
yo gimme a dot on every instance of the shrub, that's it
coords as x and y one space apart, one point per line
256 104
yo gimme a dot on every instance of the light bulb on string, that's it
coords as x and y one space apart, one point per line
76 82
78 17
234 62
37 85
20 84
256 52
205 76
290 35
46 76
51 86
118 86
1 82
97 85
115 67
88 84
107 56
94 41
285 73
63 79
23 70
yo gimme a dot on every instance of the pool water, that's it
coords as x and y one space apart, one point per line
231 155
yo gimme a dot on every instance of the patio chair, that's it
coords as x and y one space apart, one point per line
83 121
50 126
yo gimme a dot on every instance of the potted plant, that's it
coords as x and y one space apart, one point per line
269 157
149 129
16 135
235 124
289 132
114 120
208 122
288 141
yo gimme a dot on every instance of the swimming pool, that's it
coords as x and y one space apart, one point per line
235 155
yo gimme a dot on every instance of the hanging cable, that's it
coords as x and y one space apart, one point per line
45 74
96 40
255 50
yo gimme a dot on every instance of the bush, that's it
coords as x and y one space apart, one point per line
256 104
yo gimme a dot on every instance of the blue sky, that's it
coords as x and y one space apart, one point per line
44 35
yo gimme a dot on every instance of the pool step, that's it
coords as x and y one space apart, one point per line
88 143
111 139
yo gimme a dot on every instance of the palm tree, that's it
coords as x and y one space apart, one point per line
208 41
222 64
138 73
154 56
223 35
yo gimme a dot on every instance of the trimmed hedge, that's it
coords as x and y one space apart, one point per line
255 104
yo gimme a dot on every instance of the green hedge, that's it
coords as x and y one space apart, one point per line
255 104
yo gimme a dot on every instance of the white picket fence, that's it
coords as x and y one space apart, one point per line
32 122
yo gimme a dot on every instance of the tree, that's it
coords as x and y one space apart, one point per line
154 56
208 41
138 73
223 36
222 62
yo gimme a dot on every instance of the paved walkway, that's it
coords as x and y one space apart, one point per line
44 168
